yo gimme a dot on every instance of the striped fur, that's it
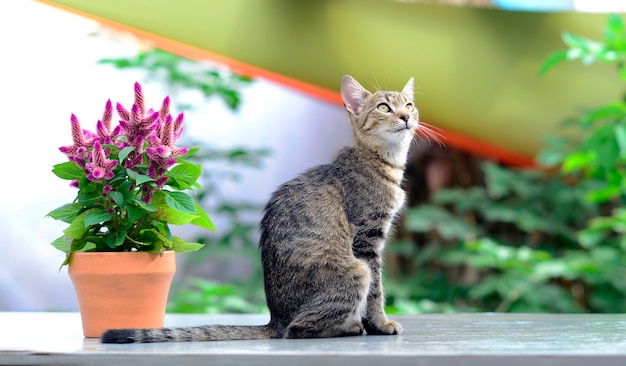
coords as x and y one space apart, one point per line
323 233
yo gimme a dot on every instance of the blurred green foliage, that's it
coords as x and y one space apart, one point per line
182 74
548 240
211 297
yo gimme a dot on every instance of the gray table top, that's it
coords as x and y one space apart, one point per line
434 339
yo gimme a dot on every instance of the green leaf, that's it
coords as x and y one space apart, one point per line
590 238
146 206
82 246
611 112
118 198
116 238
63 243
573 41
577 161
135 213
620 137
168 214
66 213
552 61
185 174
203 219
123 154
157 238
180 201
89 199
606 147
604 194
68 171
426 218
77 228
182 246
138 178
96 217
87 247
614 33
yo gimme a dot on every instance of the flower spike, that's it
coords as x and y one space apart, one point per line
76 152
139 99
107 116
124 114
178 126
103 127
100 167
165 108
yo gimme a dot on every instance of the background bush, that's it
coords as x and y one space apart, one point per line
545 240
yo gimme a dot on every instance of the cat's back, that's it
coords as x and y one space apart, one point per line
305 199
353 185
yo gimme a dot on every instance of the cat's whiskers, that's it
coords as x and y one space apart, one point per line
427 132
376 85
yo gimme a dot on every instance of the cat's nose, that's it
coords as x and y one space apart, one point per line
404 117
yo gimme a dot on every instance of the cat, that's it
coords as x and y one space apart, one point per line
323 233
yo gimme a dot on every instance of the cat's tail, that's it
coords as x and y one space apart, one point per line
191 334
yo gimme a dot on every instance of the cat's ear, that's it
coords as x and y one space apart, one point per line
408 91
352 94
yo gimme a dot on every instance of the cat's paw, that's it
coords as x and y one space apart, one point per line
356 329
387 327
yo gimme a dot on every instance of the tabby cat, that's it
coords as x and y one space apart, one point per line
323 233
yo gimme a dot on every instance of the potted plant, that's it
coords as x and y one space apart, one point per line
130 180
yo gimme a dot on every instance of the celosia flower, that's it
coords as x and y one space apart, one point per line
165 108
178 126
103 126
82 141
137 122
163 150
100 167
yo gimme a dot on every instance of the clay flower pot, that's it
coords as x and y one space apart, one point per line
121 289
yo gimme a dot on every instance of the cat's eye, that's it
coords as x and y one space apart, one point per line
383 107
409 107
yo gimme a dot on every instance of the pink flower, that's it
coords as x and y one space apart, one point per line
178 126
138 122
165 108
100 167
163 142
82 141
106 190
103 126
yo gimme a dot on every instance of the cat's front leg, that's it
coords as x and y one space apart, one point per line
375 320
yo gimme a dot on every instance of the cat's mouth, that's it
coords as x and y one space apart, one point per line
403 128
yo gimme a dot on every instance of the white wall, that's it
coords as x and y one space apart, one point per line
48 70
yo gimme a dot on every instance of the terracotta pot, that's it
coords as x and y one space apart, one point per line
121 290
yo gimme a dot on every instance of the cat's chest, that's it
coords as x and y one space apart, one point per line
398 200
373 202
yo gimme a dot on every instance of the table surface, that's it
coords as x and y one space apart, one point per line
433 339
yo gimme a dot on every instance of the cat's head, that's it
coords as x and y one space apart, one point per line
382 118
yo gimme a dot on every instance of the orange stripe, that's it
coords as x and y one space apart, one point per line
463 142
486 150
196 53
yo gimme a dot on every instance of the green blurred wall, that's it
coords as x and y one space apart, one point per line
475 69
